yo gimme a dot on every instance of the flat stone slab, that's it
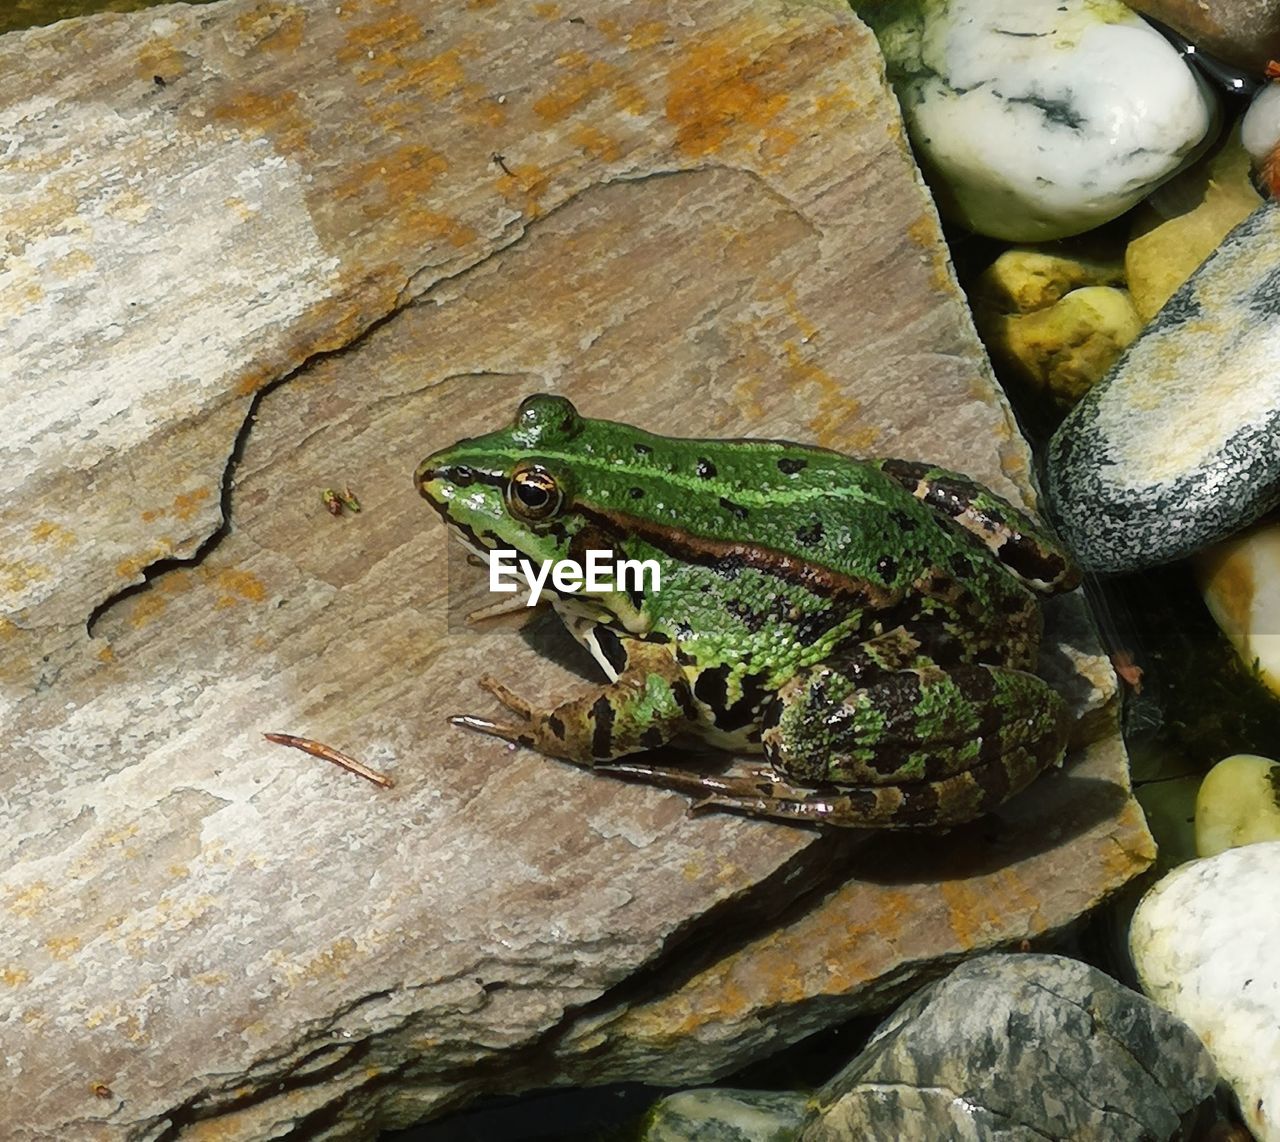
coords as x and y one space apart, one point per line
260 249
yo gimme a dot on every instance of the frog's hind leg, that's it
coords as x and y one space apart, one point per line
1025 547
924 746
648 704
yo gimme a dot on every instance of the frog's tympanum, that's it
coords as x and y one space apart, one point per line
870 626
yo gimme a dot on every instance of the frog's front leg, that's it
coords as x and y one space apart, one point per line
649 704
916 747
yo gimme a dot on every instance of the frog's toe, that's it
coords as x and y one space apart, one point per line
507 697
517 735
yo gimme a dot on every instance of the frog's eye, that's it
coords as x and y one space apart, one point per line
532 493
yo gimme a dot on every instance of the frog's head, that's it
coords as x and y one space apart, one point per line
511 488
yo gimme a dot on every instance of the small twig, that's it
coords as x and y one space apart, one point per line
319 749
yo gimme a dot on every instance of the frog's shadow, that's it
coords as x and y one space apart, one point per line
1057 808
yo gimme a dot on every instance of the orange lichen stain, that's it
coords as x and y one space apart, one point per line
147 606
405 174
106 654
332 961
523 185
481 108
131 567
160 57
35 1018
186 504
18 574
714 89
14 977
647 34
477 5
253 380
978 910
267 111
595 143
376 47
48 532
838 103
547 11
439 76
237 585
61 947
439 227
583 80
273 27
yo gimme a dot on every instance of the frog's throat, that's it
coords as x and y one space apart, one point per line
711 552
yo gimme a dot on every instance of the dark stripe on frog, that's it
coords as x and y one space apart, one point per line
951 494
790 465
727 555
810 534
556 725
615 654
733 509
711 688
652 737
705 469
602 727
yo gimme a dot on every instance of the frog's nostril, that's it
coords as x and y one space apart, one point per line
462 475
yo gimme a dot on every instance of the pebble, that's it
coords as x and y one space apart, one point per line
1174 449
1238 804
721 1114
1240 582
1204 942
1260 127
1064 349
1020 1046
1035 119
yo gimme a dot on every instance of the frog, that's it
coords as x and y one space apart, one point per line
863 632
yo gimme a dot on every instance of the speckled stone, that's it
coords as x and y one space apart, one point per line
1020 1047
1036 119
1175 448
1204 942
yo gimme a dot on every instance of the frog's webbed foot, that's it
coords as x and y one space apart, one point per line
517 734
648 705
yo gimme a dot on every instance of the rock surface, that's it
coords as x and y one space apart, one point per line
259 249
1238 804
1173 449
1036 119
1020 1047
1241 32
1204 943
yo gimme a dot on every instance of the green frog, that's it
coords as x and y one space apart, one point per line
869 626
